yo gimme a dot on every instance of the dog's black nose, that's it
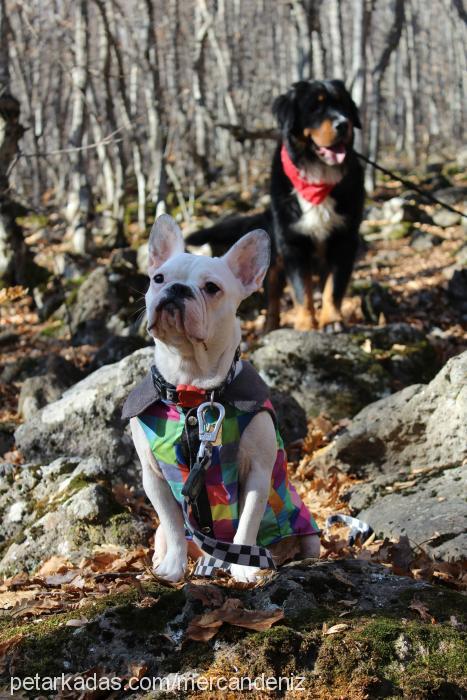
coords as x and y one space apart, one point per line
341 125
180 291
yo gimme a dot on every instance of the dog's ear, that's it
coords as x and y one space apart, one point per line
283 109
165 241
249 260
353 109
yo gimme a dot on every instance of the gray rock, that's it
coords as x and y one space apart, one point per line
42 389
433 512
92 503
86 420
7 439
452 195
403 444
396 210
396 231
377 300
421 241
461 157
116 348
290 416
106 302
95 302
28 366
457 289
64 508
422 426
339 374
445 218
461 255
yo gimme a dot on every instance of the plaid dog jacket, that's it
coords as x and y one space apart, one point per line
243 398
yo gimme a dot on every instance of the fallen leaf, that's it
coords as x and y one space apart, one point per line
6 647
59 579
78 622
422 609
18 580
37 607
11 598
343 578
54 565
138 671
335 629
147 602
258 620
401 556
209 595
204 627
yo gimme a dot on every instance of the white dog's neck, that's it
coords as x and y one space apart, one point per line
197 364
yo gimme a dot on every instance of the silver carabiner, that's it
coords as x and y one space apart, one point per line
208 432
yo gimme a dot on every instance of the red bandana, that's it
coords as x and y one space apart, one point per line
314 192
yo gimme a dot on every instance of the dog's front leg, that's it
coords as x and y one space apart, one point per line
171 563
257 455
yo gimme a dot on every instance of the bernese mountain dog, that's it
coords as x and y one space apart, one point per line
317 199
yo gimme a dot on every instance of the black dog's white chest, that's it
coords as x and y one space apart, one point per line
317 220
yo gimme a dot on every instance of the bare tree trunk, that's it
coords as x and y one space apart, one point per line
337 39
201 114
79 198
155 110
392 40
409 87
14 258
357 82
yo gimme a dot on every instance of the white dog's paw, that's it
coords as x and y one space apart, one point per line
244 573
172 567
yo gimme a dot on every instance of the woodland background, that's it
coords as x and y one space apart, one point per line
125 101
111 111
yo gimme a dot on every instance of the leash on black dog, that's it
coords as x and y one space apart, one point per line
410 185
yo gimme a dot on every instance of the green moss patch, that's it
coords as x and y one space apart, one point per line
47 644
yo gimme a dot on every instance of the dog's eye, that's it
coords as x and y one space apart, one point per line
159 278
211 288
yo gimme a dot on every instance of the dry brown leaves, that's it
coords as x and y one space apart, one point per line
9 294
204 627
58 586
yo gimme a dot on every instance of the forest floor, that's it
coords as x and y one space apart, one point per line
61 598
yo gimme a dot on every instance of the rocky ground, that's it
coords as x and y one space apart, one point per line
375 422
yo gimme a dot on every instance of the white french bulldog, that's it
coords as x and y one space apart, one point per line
191 310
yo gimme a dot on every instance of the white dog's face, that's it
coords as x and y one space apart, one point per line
191 297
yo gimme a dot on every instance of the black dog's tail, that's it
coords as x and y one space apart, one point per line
227 232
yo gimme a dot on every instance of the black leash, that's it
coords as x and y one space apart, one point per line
409 184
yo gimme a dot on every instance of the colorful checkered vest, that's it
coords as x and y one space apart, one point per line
285 513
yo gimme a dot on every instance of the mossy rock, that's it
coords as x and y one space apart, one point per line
385 649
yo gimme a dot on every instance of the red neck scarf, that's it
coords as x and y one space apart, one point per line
314 192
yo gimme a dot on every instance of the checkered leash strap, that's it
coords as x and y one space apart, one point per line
221 554
358 528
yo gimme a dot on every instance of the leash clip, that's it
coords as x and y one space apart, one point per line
209 431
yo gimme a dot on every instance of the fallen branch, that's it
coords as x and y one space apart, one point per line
241 134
